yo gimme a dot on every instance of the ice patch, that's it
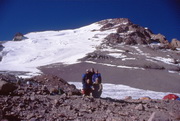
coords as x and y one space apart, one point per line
174 72
161 59
117 55
117 91
124 59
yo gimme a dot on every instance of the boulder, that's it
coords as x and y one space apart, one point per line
55 84
6 87
18 36
175 43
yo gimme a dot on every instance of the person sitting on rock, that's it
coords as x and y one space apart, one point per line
97 88
87 88
96 75
86 76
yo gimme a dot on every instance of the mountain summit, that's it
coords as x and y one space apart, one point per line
129 33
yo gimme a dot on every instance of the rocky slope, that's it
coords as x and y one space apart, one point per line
32 100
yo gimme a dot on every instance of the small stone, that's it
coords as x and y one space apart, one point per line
32 98
128 98
108 111
29 116
21 105
139 107
69 107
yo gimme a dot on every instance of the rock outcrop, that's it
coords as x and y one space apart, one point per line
1 47
18 36
175 43
159 38
129 33
55 83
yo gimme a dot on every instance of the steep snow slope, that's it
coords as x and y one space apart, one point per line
43 48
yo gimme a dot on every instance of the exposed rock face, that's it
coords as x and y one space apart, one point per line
18 36
175 43
129 33
1 47
113 38
113 23
32 102
160 38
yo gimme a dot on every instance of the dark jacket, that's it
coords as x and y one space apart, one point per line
85 77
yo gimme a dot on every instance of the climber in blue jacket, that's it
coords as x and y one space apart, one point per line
96 75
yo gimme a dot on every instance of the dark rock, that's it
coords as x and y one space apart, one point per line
113 38
122 29
1 114
1 47
106 26
151 65
6 87
135 38
112 23
127 32
18 36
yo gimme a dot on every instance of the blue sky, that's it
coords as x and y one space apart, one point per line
161 16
